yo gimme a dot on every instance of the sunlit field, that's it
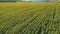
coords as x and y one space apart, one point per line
29 18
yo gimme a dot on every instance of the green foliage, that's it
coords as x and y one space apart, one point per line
30 18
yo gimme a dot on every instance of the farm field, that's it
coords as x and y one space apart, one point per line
29 18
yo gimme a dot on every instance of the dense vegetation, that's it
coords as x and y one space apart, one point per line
29 18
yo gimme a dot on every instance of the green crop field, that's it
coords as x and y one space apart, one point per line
29 18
